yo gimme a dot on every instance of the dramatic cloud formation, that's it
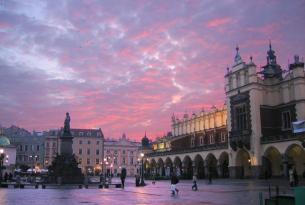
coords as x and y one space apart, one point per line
126 66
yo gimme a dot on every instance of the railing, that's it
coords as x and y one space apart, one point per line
207 147
279 138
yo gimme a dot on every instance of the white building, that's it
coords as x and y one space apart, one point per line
122 153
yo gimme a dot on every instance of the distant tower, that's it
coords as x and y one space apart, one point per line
66 138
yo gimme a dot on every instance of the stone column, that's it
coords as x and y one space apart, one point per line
206 169
194 168
285 164
219 170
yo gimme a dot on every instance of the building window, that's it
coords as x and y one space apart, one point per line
123 161
241 117
115 161
192 141
89 142
108 151
89 134
201 140
123 151
115 152
131 152
80 142
88 161
20 147
80 151
25 148
54 144
88 151
81 134
97 161
131 160
97 142
97 152
212 139
286 120
80 160
37 147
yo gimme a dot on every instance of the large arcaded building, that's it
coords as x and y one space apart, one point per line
253 136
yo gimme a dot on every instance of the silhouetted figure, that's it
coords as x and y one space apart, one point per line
295 177
10 177
5 177
194 187
123 177
174 182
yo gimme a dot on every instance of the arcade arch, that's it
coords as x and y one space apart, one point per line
243 164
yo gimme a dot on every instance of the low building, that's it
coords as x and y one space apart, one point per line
7 155
122 153
88 147
51 147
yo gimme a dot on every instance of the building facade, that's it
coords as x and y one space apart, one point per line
196 144
122 153
252 137
51 147
261 109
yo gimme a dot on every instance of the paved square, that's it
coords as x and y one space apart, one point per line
221 192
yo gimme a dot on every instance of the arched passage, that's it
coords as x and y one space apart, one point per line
296 158
177 166
160 168
272 163
243 166
199 166
168 166
187 168
211 165
224 165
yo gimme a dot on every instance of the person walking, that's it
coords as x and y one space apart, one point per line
174 182
123 177
210 177
295 176
194 187
291 177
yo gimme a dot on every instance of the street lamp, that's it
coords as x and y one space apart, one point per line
142 183
2 156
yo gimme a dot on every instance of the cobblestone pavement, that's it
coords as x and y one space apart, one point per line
221 192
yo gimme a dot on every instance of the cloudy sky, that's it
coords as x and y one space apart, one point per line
126 66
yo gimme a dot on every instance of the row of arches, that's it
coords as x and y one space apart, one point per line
187 167
277 164
273 164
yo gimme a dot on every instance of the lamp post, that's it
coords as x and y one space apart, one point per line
142 183
2 156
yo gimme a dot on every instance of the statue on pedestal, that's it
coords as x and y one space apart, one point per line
67 131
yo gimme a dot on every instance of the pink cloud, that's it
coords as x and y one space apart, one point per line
219 22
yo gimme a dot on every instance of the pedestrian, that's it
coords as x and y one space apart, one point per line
210 177
5 177
123 177
194 187
154 179
291 177
10 176
174 182
295 176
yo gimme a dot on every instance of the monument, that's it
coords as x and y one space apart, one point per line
64 168
66 138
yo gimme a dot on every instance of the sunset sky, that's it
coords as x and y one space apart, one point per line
126 66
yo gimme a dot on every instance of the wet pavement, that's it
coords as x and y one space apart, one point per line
221 192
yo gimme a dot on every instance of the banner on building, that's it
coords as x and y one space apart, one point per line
298 126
